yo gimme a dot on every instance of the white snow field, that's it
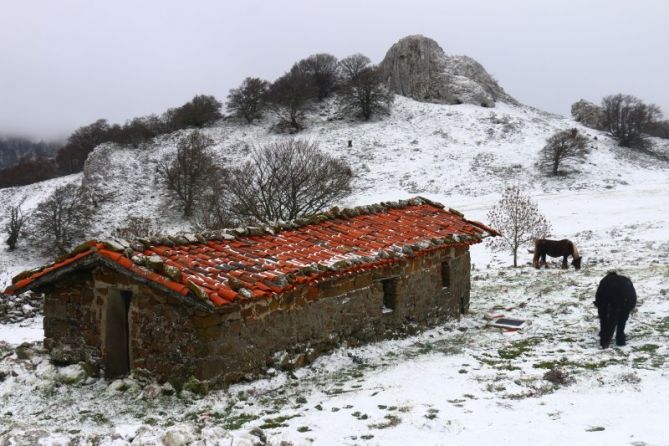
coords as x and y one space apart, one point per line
461 383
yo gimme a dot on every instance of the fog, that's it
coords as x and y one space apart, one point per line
68 63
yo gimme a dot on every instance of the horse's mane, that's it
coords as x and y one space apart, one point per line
575 254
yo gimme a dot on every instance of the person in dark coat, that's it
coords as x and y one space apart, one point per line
615 299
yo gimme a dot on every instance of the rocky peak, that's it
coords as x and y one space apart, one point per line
417 67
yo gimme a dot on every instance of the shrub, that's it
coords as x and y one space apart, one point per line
200 111
626 118
289 98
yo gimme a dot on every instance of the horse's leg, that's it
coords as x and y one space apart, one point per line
620 330
565 264
543 260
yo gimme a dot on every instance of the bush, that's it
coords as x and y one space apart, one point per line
200 111
187 174
588 114
516 217
562 146
286 180
136 227
61 220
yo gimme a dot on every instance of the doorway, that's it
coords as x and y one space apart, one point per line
117 334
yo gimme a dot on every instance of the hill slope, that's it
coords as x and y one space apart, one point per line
450 153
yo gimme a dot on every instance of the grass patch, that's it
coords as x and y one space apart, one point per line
518 348
391 421
273 423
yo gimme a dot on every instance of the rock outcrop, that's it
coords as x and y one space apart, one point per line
417 67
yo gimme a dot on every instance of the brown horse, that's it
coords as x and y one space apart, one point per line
555 248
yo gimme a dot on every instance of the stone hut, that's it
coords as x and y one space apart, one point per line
223 306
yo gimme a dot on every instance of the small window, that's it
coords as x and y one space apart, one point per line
445 274
389 294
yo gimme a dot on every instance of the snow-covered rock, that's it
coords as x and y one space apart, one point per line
417 67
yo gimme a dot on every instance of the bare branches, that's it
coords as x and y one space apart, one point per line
15 225
517 218
363 92
562 146
61 220
187 175
627 117
286 180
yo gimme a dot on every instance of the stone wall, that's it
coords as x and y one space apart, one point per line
175 340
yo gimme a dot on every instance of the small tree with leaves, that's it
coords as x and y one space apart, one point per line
562 146
186 174
518 220
15 226
286 180
249 100
61 220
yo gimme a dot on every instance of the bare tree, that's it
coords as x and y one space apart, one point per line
286 180
516 217
561 146
626 118
351 66
186 175
364 93
14 227
321 69
213 210
249 100
289 97
61 220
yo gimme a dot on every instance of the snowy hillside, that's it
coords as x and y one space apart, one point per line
461 383
451 153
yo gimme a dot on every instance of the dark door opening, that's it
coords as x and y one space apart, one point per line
389 294
117 358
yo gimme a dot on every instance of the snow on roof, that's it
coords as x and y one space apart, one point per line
220 267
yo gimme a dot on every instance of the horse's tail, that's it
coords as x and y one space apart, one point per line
575 253
535 258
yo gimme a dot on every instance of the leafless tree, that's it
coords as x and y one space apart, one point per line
61 220
187 174
364 93
290 97
213 210
351 66
516 217
15 226
321 69
626 118
286 180
562 146
136 227
249 100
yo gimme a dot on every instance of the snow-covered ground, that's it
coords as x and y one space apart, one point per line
458 384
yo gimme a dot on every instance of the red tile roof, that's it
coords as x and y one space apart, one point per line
222 267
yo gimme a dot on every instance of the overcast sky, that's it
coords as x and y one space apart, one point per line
66 63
